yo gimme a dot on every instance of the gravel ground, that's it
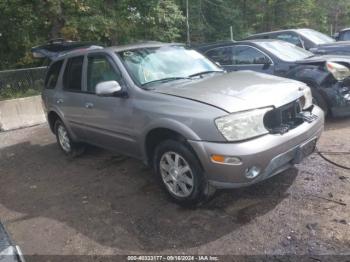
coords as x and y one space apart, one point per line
103 204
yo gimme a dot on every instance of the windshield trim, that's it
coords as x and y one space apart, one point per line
135 81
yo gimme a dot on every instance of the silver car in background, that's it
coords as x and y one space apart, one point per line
199 127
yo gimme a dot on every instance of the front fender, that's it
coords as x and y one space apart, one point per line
171 124
313 75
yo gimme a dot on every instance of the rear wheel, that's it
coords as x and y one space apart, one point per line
70 148
181 174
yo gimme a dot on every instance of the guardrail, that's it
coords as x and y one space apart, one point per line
21 82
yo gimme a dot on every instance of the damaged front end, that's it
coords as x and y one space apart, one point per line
339 98
285 118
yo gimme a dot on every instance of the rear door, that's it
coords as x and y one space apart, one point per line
222 55
70 99
246 57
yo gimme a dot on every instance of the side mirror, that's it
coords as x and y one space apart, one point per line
267 63
108 88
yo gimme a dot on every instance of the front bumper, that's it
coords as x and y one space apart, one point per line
272 153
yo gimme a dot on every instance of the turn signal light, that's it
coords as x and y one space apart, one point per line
228 160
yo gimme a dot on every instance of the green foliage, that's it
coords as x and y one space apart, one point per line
24 24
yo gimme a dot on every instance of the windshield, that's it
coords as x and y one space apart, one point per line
285 51
170 62
316 37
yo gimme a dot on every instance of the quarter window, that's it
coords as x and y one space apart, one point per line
223 55
52 75
246 55
100 70
73 73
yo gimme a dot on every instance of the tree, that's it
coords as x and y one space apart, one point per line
24 23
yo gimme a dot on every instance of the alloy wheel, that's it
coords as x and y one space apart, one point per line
176 174
63 138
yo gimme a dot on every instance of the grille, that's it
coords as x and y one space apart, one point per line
284 118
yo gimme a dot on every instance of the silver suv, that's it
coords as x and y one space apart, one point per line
199 127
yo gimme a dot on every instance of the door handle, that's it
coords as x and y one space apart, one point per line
89 105
59 101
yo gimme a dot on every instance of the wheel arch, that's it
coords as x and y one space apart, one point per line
157 133
52 117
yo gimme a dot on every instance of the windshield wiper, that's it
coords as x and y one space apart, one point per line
163 80
206 72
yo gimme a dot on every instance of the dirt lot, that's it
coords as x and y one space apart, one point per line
105 204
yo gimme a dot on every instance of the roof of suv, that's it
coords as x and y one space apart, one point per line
152 44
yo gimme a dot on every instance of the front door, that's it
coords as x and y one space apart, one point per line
250 58
107 118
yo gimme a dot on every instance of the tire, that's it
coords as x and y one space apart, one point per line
319 100
181 174
65 142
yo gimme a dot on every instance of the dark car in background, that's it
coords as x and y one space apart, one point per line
327 75
343 35
308 39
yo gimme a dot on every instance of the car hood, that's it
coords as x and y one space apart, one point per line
236 91
340 48
324 58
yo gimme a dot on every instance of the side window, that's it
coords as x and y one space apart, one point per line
246 55
345 36
52 75
289 37
223 55
73 73
100 70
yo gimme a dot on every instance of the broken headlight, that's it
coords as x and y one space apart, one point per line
307 96
339 71
243 125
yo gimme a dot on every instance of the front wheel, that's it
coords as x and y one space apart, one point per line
180 173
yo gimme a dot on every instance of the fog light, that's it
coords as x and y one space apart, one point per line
229 160
252 172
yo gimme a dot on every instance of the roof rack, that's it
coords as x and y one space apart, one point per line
58 46
92 47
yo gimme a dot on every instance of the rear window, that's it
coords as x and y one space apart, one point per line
52 75
73 73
